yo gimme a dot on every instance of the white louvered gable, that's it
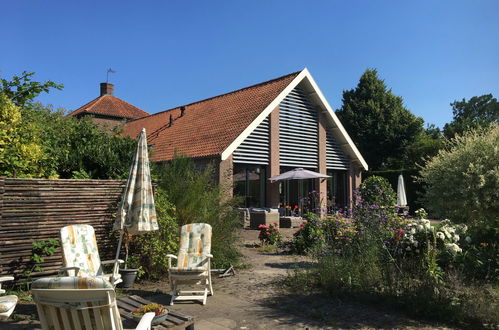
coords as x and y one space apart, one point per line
298 131
335 158
255 148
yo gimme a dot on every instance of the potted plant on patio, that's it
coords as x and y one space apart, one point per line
160 311
129 273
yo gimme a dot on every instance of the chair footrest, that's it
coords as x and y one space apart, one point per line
190 298
188 277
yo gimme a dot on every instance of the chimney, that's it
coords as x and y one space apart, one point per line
182 110
106 89
171 119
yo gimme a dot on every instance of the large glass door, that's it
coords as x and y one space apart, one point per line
249 183
337 190
294 194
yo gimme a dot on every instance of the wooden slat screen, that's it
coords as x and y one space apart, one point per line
36 209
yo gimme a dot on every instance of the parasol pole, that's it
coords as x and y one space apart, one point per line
118 250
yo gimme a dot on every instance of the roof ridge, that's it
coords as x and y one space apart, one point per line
97 101
224 94
93 107
83 106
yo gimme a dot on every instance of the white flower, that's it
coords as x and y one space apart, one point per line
413 230
453 248
468 239
408 248
456 238
441 235
447 233
420 228
464 229
415 243
426 224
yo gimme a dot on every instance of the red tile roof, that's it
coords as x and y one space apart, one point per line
109 105
207 127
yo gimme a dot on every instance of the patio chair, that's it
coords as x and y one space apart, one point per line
7 303
193 263
79 303
81 256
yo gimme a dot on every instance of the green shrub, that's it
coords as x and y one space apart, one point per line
197 197
150 249
309 237
376 190
480 259
462 180
374 212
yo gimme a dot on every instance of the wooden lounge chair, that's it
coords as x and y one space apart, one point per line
79 303
7 303
81 256
193 263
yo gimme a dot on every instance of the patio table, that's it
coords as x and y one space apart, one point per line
174 320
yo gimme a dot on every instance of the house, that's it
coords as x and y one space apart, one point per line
107 110
260 131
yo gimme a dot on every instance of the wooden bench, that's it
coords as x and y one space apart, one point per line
175 320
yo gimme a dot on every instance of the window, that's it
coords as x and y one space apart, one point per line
249 183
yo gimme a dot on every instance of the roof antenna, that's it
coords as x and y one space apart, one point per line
107 74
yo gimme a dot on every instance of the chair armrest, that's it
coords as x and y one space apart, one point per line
208 255
145 322
6 278
63 269
170 257
107 262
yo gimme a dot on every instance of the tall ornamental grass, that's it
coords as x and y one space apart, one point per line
197 197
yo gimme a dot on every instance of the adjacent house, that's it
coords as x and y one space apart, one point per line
107 110
252 134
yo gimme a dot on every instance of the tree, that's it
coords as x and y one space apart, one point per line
478 111
20 149
462 180
427 145
35 141
379 124
21 90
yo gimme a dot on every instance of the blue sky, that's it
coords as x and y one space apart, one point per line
168 53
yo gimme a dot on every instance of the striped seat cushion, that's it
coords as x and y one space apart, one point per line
71 282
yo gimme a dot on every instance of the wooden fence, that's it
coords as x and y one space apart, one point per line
36 209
